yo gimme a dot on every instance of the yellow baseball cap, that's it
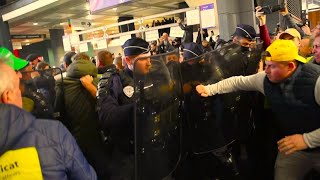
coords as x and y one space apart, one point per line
283 50
292 32
11 60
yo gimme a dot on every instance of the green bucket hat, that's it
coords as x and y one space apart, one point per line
11 60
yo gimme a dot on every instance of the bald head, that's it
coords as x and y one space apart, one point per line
9 86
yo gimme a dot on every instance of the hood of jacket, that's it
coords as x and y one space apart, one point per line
14 122
80 68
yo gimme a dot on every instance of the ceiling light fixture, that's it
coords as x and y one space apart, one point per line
26 9
35 24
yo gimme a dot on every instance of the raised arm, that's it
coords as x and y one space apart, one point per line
247 83
289 22
264 33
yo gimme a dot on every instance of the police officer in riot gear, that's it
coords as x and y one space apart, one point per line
256 123
244 36
210 151
116 107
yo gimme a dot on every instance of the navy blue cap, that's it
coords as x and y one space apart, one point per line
31 57
191 50
135 46
246 31
68 57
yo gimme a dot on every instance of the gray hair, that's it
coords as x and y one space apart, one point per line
5 78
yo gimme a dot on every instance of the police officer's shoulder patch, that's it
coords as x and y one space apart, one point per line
128 91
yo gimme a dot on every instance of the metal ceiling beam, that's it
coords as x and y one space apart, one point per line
13 6
46 11
135 20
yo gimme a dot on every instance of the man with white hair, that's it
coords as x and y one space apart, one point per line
31 148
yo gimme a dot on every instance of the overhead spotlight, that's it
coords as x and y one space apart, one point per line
35 24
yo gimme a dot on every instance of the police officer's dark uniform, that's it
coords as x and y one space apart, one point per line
262 133
210 151
116 108
190 165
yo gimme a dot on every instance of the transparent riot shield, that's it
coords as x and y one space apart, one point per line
211 124
253 58
157 90
38 92
212 121
250 103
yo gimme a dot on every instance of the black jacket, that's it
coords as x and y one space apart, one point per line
293 100
188 33
104 69
116 112
205 35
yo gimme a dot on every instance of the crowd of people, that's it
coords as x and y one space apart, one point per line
79 123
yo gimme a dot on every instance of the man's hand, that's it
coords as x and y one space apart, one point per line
202 91
261 16
86 81
306 30
291 144
285 11
179 21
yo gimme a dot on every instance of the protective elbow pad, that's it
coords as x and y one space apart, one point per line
104 85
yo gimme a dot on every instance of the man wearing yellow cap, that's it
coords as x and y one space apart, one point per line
293 90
